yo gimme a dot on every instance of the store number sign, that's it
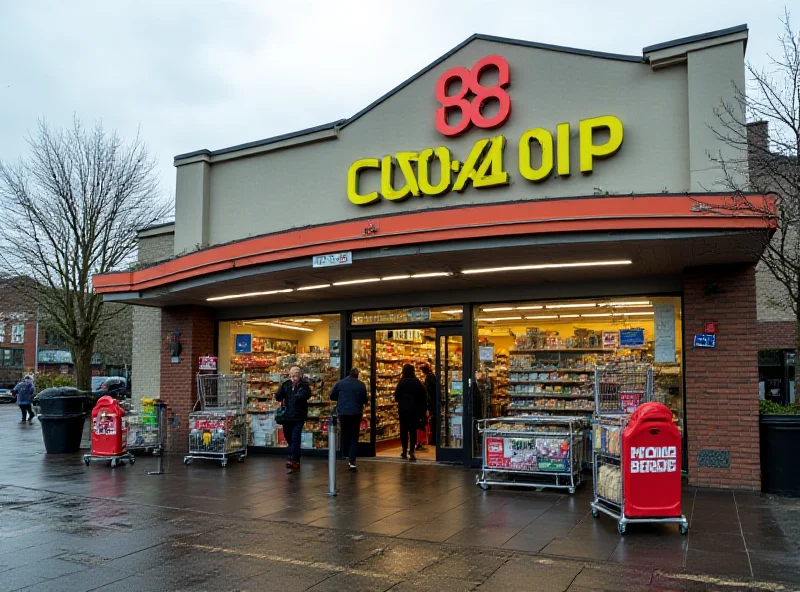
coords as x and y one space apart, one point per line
461 98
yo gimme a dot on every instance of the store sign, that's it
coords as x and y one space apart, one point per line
665 333
705 340
332 260
486 353
710 328
631 338
207 363
654 459
243 343
435 171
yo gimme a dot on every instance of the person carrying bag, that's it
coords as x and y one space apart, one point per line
293 413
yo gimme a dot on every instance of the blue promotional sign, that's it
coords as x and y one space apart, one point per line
244 343
631 338
705 340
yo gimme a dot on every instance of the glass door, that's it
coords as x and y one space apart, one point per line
450 372
362 354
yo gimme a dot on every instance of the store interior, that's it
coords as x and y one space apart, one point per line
264 350
539 358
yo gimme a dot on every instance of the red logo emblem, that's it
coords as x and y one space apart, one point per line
472 96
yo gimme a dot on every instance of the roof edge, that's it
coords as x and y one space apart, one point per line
257 143
494 39
695 38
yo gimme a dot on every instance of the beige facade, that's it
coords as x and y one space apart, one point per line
661 97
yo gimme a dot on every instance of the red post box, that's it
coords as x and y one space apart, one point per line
651 459
109 428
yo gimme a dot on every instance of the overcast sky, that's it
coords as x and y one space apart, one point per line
202 74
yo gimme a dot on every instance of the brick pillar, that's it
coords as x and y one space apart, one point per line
722 383
178 380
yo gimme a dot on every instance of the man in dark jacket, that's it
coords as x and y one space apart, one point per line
294 395
350 395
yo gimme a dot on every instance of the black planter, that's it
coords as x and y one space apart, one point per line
61 401
780 441
62 433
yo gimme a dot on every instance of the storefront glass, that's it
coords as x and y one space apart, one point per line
538 358
264 350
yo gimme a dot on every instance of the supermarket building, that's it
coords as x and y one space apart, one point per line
513 206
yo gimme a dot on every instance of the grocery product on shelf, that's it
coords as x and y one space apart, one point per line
265 369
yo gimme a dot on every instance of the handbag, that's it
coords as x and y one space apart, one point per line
280 415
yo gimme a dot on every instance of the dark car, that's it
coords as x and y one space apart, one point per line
6 396
114 386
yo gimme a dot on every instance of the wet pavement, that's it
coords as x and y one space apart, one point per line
394 526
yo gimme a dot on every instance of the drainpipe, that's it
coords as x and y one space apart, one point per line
36 350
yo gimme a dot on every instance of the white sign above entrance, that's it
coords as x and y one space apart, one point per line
333 259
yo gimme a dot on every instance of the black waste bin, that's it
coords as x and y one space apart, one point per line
780 441
62 417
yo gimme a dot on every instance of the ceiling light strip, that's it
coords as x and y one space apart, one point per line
548 266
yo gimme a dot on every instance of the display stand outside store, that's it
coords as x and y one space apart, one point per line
532 451
218 430
636 450
143 428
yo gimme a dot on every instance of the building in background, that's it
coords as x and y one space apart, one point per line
20 319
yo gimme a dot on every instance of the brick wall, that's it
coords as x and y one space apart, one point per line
774 304
722 383
146 340
178 381
146 366
153 249
779 335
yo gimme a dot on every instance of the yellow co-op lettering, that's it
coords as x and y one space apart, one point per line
433 172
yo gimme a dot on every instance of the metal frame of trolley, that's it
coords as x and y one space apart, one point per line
222 419
569 429
618 391
144 428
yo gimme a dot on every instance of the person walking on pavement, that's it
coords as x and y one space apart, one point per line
411 403
430 390
350 395
24 391
294 395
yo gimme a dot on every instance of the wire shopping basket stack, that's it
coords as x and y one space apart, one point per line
218 430
618 459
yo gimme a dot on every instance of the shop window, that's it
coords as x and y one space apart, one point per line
539 358
11 357
422 314
264 350
18 333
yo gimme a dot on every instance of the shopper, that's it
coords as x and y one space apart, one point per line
24 392
411 403
350 395
294 395
429 379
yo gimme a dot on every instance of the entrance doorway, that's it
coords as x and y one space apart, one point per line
380 354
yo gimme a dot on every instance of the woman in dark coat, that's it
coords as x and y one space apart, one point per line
410 395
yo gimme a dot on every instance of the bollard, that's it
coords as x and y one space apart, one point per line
332 455
162 433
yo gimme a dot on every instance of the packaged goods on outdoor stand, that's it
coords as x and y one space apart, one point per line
143 428
636 451
219 429
532 451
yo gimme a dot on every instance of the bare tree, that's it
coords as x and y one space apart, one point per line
764 180
69 211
